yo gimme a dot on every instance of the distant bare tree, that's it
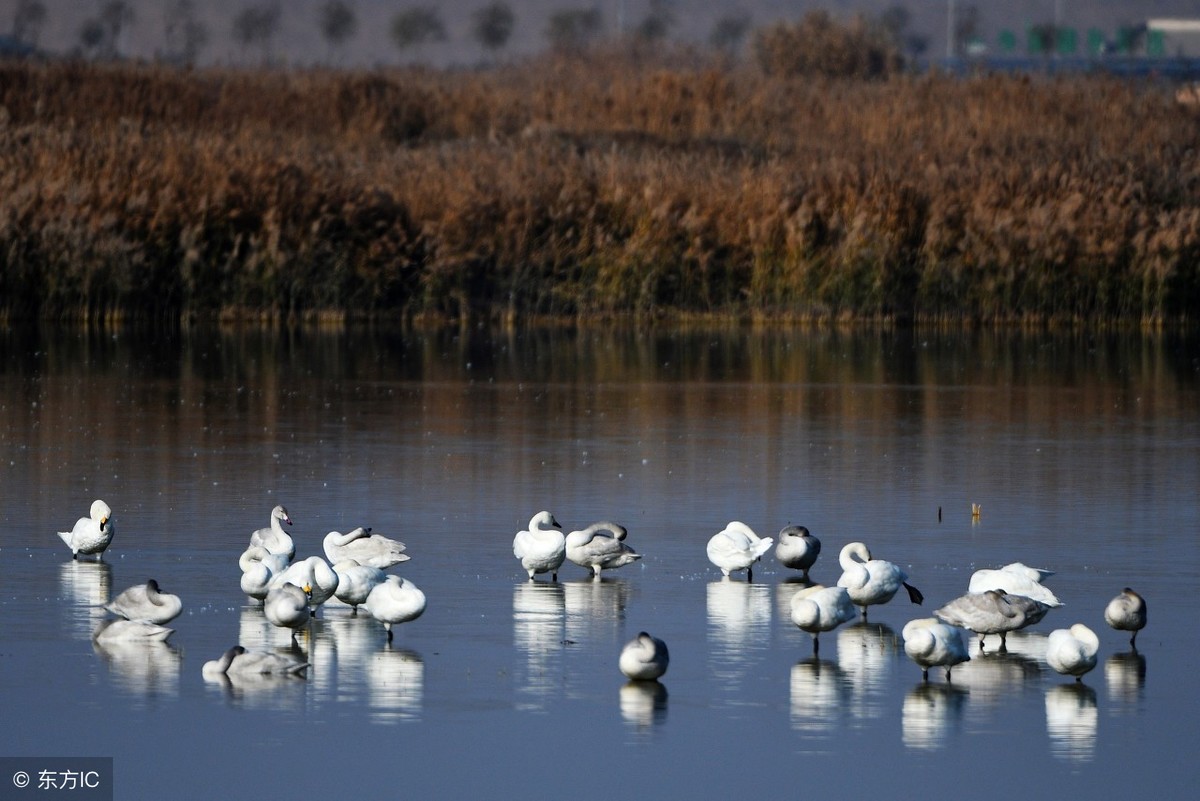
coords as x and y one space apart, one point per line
492 25
658 21
416 26
257 25
338 22
115 16
186 36
729 32
27 21
572 29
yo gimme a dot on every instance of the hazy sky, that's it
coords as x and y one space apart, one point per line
299 40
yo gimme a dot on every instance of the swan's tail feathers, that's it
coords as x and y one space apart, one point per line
762 546
65 536
914 594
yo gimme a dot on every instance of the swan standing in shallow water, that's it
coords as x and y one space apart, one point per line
644 658
542 548
356 581
129 631
1127 612
372 550
992 612
1072 651
315 575
146 602
931 643
274 538
396 600
818 608
871 582
237 661
737 547
287 607
92 534
797 549
599 546
1015 579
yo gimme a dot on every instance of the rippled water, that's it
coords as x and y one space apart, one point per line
1083 453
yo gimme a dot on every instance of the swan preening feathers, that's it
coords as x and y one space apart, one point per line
872 581
931 643
600 546
542 548
737 547
372 550
1072 651
797 549
92 534
816 609
146 602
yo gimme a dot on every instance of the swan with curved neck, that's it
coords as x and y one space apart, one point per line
146 602
259 566
372 550
237 661
644 658
931 643
92 534
871 582
797 549
600 546
313 573
542 548
737 547
274 538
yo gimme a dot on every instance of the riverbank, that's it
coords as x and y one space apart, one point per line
591 188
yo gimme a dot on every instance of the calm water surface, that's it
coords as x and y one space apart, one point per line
1084 454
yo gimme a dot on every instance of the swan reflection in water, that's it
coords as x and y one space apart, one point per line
147 669
820 693
867 653
1125 676
395 685
996 677
87 586
784 591
539 620
1071 719
643 703
594 608
931 714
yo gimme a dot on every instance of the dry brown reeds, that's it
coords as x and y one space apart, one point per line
590 187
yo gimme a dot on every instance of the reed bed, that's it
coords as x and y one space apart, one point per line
593 187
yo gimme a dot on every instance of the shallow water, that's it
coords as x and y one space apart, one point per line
1083 453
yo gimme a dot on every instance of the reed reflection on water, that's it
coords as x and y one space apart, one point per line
1081 451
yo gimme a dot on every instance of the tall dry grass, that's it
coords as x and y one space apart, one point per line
582 188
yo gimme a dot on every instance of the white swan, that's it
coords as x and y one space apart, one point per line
92 534
737 547
238 661
121 630
600 546
146 602
644 658
1072 651
259 566
396 600
274 538
356 581
818 608
931 643
373 550
286 606
314 574
871 582
992 612
542 548
797 549
1015 579
1127 612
